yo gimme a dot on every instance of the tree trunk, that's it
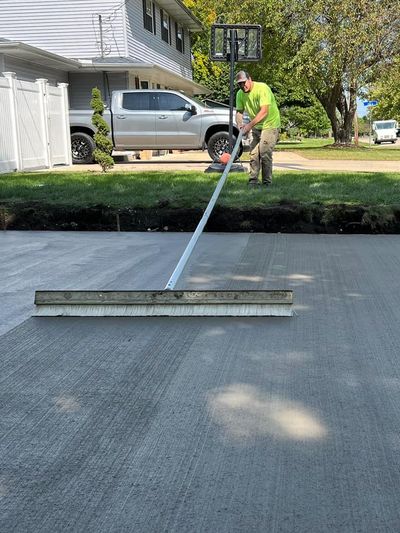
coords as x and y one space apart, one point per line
340 112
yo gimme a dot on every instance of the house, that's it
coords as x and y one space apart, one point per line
111 44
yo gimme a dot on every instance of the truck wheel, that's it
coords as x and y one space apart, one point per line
218 143
82 146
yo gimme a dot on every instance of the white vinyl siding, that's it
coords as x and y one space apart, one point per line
145 46
27 71
69 28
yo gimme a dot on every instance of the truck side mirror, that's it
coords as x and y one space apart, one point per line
191 108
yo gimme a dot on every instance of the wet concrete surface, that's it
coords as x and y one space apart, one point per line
160 424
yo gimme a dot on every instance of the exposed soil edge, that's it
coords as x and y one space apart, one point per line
313 218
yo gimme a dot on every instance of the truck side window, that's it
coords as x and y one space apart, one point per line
171 102
137 101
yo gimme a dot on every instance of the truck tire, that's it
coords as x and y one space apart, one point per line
82 146
218 143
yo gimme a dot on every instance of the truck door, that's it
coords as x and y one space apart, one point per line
134 117
176 126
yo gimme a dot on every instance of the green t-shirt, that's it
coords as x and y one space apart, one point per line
251 102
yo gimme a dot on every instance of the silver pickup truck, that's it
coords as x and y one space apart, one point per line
154 120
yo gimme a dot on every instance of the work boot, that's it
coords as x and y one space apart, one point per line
253 183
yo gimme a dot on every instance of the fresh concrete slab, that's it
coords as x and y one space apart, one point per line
201 424
101 261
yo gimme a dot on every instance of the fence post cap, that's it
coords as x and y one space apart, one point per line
9 74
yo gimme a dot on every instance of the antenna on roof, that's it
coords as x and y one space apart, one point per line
101 37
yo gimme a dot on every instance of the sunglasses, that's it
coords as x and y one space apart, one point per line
241 83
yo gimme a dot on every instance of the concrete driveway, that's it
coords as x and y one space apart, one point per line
199 160
206 425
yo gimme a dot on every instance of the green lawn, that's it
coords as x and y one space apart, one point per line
194 189
302 144
322 149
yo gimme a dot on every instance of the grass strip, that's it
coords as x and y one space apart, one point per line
191 189
322 149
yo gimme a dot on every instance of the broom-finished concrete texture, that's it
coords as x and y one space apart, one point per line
217 425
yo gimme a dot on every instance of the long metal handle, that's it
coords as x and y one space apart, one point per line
192 243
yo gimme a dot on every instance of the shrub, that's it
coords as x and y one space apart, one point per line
104 147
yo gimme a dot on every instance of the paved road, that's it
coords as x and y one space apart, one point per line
217 425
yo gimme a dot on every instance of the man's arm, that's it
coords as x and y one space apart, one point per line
264 109
239 118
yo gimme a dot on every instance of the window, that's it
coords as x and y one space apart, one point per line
165 26
149 15
180 38
385 125
171 102
137 101
144 84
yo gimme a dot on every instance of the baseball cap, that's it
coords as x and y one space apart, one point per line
241 76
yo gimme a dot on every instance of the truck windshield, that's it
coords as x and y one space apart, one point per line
385 125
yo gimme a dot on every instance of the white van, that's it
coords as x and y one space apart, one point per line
384 131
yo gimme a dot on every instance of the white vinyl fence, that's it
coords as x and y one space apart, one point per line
34 124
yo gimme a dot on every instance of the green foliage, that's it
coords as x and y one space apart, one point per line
387 92
326 48
363 126
211 74
305 121
214 76
104 146
338 47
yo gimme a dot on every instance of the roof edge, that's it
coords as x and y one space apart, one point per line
10 46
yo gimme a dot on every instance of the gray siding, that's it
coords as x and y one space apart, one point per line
27 71
148 47
81 85
69 28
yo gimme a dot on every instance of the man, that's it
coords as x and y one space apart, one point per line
259 102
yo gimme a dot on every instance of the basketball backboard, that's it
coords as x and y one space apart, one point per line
245 37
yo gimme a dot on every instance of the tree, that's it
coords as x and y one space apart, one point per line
387 93
339 47
104 146
213 75
330 47
311 120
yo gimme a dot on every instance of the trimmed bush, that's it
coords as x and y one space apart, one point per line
104 146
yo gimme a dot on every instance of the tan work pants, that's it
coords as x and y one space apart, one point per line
261 148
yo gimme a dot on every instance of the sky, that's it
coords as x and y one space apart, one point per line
361 108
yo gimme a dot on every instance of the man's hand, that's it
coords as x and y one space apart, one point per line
245 129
